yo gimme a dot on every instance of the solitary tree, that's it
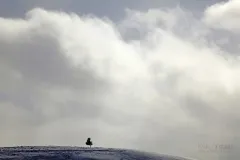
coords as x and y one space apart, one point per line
89 142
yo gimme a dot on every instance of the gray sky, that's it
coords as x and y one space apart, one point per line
113 9
150 75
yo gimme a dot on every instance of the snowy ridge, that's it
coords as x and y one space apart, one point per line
77 153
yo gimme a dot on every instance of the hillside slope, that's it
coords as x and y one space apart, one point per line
77 153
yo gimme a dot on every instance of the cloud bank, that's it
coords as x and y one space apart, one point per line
224 15
156 81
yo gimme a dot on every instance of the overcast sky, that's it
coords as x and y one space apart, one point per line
159 76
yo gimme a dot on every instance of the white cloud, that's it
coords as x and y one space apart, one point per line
224 15
70 77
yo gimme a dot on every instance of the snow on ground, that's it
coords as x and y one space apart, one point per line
77 153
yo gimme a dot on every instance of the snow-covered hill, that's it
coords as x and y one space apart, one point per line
77 153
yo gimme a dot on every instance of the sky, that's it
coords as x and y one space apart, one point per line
158 76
